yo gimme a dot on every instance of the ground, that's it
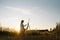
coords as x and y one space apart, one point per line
31 35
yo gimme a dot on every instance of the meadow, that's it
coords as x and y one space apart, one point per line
32 35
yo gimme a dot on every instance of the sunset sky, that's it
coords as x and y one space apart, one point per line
43 14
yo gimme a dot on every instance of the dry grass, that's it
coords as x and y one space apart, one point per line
32 35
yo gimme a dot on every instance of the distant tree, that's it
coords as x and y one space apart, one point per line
58 28
50 29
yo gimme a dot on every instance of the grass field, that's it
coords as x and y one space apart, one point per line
30 35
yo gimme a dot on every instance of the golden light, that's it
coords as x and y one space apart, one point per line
17 29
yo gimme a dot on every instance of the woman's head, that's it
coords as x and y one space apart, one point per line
22 21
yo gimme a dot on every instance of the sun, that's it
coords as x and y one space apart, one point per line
17 29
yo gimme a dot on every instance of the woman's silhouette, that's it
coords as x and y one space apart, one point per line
22 29
22 26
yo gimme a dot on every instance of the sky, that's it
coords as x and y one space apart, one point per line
43 14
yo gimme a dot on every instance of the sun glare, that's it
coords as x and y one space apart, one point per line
17 29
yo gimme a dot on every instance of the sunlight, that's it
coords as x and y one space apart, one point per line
17 29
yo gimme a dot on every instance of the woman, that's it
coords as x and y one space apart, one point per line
22 27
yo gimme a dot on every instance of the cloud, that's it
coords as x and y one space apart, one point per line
20 10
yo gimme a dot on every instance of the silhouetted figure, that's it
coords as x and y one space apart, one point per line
22 29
